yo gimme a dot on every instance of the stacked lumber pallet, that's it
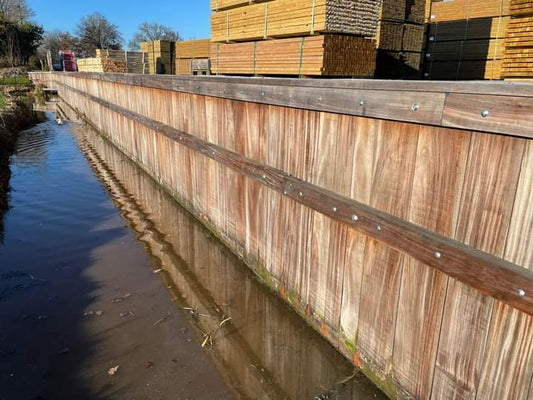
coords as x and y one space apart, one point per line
99 64
188 56
285 18
326 55
137 61
294 37
518 54
160 56
400 38
466 39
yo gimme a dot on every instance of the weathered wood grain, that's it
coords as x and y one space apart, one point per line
483 222
507 115
359 141
392 180
437 186
508 363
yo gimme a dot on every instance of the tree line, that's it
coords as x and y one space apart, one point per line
23 42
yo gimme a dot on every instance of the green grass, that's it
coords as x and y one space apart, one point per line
15 80
3 102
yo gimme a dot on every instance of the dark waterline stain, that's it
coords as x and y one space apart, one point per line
261 348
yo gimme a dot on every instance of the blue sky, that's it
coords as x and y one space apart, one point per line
189 17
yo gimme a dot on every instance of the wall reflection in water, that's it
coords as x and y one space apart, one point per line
261 347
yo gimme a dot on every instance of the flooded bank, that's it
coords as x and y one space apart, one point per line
101 268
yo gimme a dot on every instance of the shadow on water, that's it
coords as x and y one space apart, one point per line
51 228
262 348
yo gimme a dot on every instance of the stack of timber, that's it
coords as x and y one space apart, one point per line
99 64
294 37
400 39
466 39
192 57
136 60
285 18
518 55
218 5
160 56
324 55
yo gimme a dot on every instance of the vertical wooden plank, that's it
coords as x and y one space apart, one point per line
391 188
485 213
344 157
295 134
323 174
437 185
508 364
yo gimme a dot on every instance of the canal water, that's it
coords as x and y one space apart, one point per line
110 290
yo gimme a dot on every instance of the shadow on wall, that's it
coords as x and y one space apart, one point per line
465 49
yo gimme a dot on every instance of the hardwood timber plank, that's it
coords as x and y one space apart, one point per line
360 140
437 184
490 187
507 115
508 369
391 187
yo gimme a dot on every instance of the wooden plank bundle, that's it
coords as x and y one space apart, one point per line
218 5
455 10
187 51
400 38
160 56
518 55
99 64
137 62
466 39
286 18
325 55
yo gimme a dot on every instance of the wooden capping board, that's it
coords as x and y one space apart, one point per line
384 99
490 275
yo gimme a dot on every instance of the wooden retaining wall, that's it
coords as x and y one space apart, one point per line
394 216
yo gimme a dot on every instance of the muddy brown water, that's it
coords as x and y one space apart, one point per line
99 268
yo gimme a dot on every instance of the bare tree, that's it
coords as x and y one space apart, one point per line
148 32
54 41
15 10
95 32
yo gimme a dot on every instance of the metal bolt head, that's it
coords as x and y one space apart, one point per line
301 194
416 107
264 176
355 218
213 153
320 99
285 192
362 103
438 255
262 93
521 292
334 209
378 228
485 113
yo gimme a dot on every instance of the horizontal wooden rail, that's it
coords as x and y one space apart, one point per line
502 107
490 275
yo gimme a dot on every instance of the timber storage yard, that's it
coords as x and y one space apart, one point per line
393 215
